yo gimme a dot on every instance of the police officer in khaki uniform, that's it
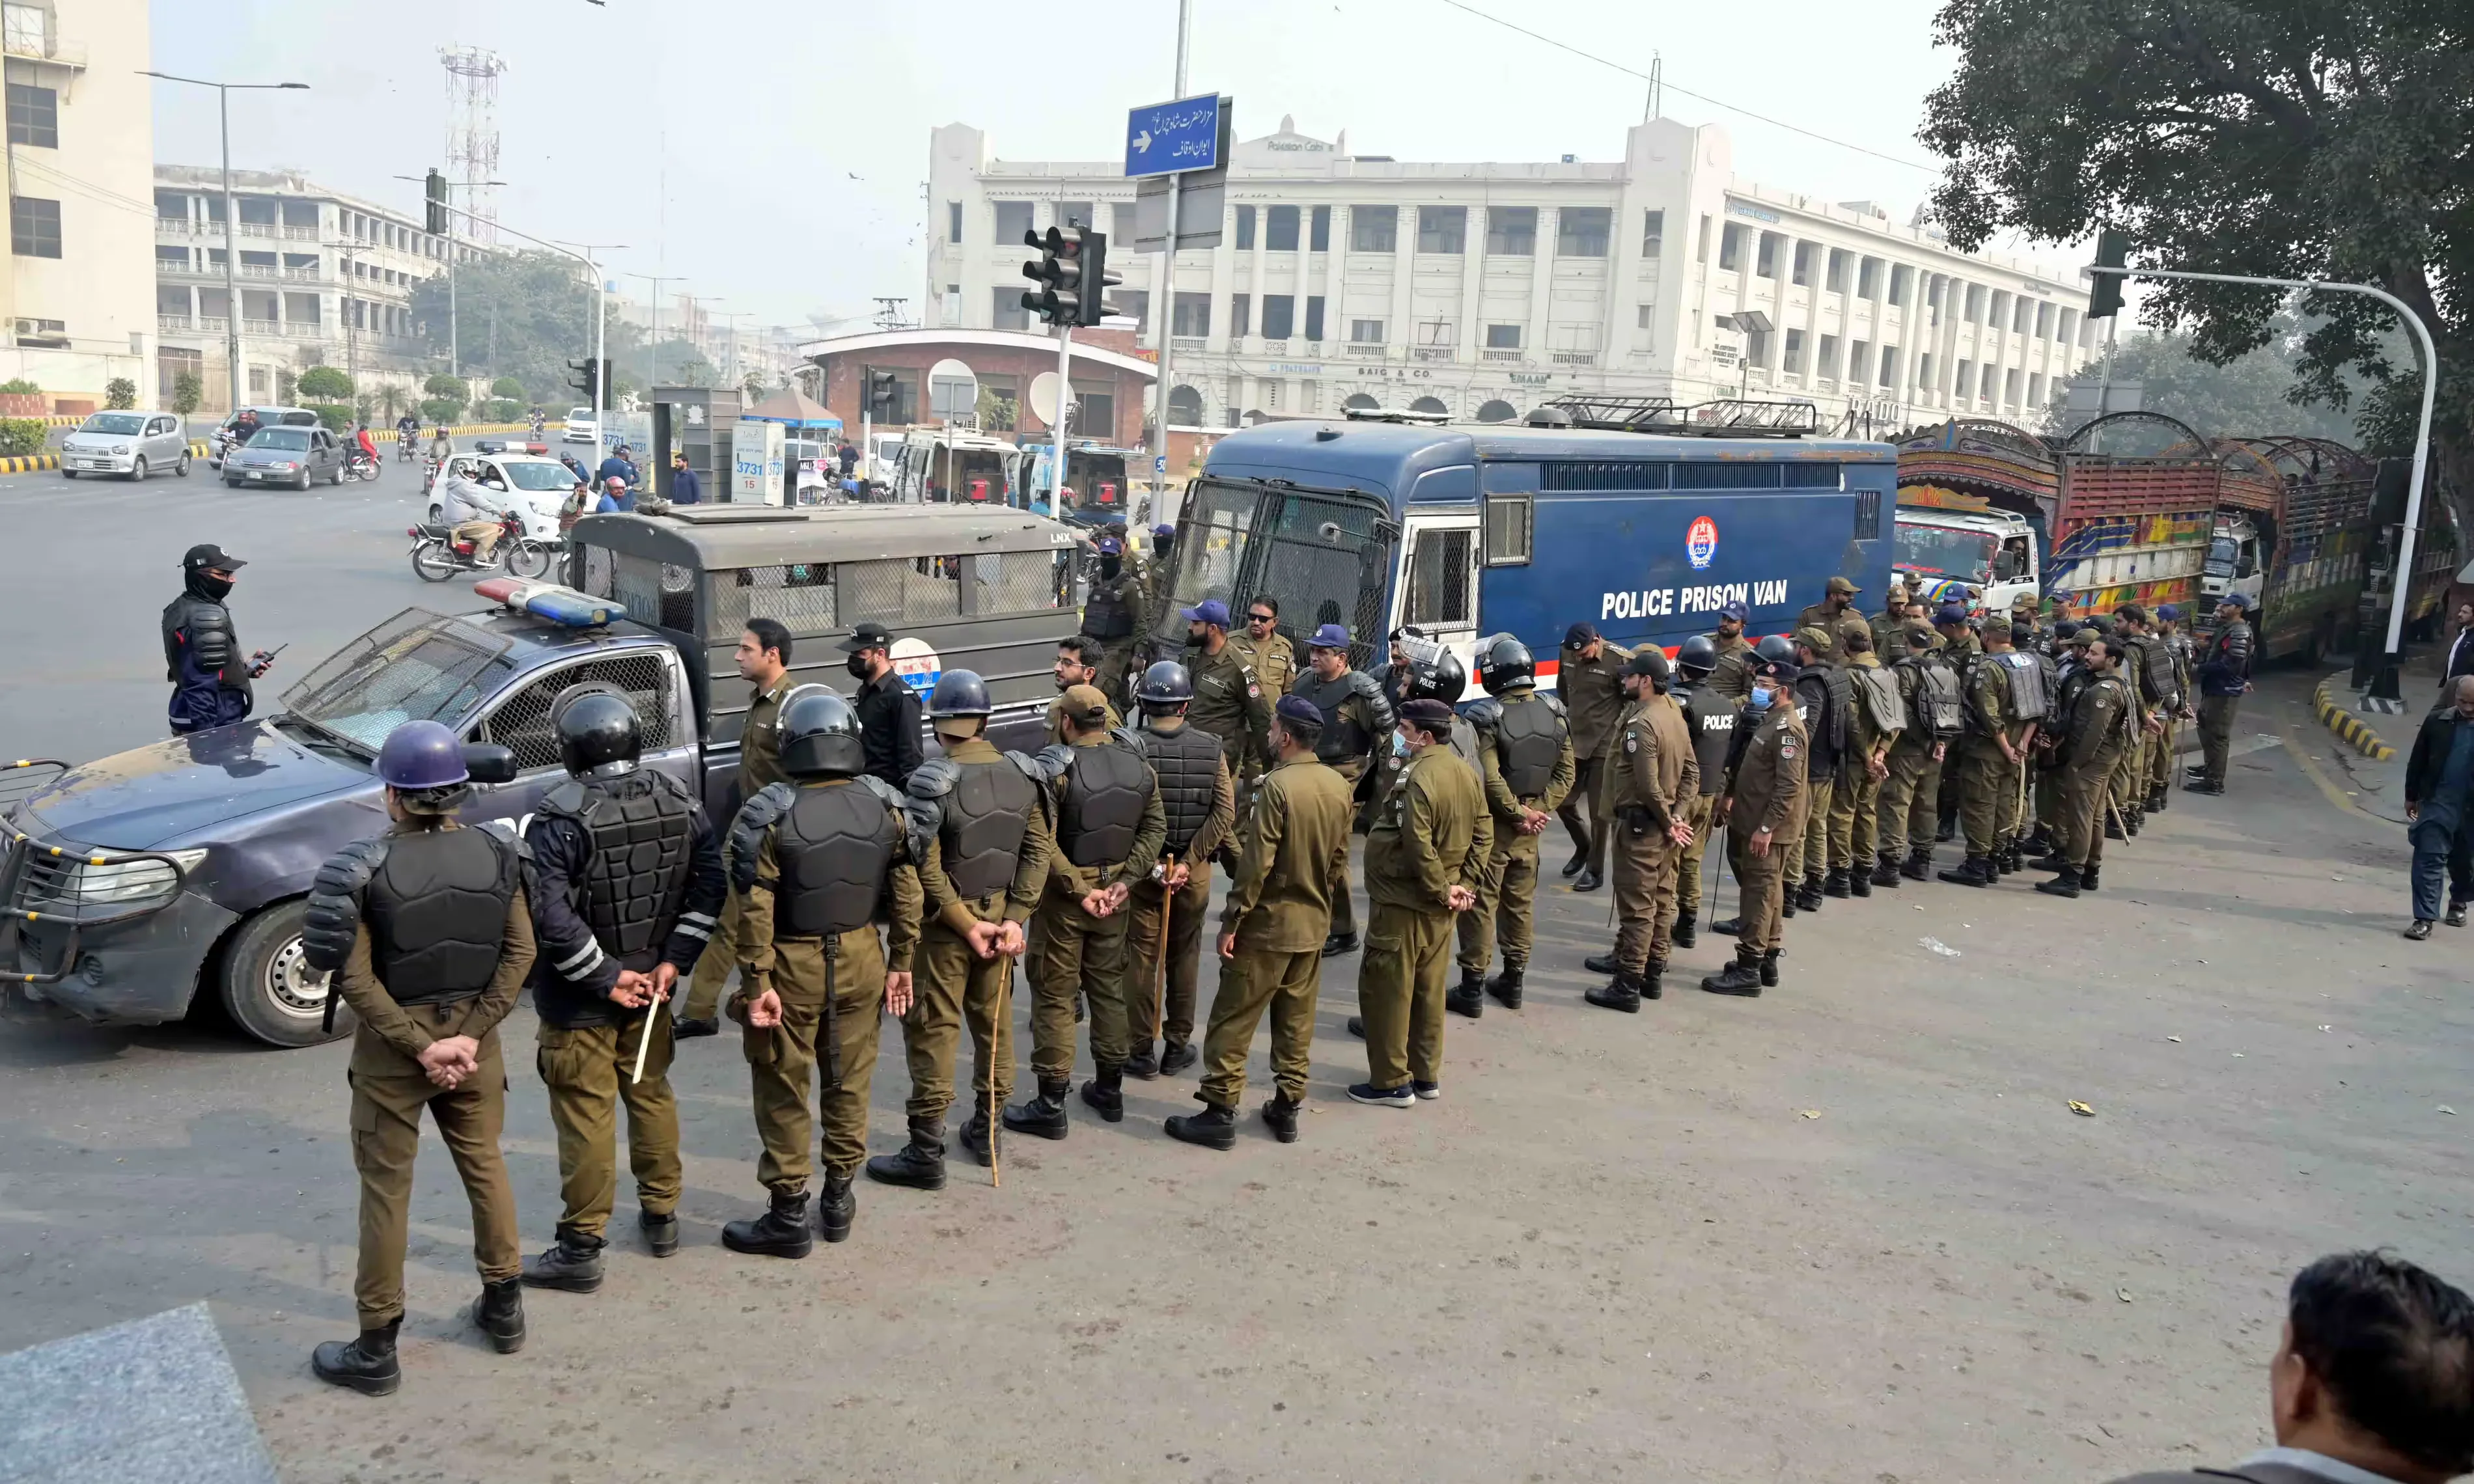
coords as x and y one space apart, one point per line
982 842
1822 692
1425 857
1077 663
1164 931
1837 601
822 862
1292 861
1875 718
1764 805
1889 626
1731 673
1230 701
1264 647
2176 645
2094 733
1652 776
1113 614
1711 718
1590 677
627 884
426 933
1103 809
1998 736
763 658
1525 747
1357 720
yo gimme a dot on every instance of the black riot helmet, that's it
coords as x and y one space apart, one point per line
1776 649
1503 662
820 736
958 693
1442 678
598 733
1165 685
1696 656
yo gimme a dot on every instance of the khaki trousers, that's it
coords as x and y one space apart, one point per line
585 1069
951 987
1400 993
1285 984
781 1058
386 1133
1151 1009
1645 886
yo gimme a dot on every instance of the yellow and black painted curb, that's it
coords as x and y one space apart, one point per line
28 464
2348 727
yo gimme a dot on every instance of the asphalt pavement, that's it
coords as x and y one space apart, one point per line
1849 1230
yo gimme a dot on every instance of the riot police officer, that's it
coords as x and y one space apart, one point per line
426 933
1764 807
1104 808
821 860
1525 747
627 887
982 847
1441 677
1929 689
1822 693
1711 716
1164 927
202 655
1356 720
1113 614
2003 695
2095 732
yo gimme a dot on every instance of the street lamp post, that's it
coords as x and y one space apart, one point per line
601 288
653 335
231 216
454 342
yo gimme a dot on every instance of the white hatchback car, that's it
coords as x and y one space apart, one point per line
532 486
131 445
582 426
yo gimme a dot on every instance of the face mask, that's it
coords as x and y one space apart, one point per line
1760 698
1109 567
212 589
857 665
1399 744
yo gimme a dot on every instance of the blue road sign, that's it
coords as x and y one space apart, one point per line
1160 464
1163 138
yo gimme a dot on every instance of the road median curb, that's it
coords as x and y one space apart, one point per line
2348 728
28 464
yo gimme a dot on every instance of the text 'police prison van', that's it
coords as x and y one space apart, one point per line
1641 517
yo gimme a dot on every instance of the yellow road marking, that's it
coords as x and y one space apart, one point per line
2311 769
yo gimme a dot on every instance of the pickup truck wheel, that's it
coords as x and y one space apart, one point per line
267 989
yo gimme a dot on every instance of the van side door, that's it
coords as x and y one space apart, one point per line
649 676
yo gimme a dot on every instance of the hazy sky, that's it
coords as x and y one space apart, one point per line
773 151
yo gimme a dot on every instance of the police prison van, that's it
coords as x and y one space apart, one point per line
1641 517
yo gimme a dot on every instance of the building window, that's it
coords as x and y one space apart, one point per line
1120 224
171 207
1974 312
1757 348
1643 318
1902 279
1241 316
953 221
1805 254
1653 233
1889 366
1507 337
1013 222
1497 410
1924 370
1959 384
1860 360
1794 362
1373 229
1868 278
1582 231
1191 314
1435 333
1280 316
1095 411
1512 231
2019 315
1246 229
2070 316
1701 241
1731 247
1076 213
1318 231
1009 314
1280 228
33 226
2044 322
1824 361
1835 281
33 116
1314 317
1765 255
1366 332
24 27
1443 229
2010 386
1996 311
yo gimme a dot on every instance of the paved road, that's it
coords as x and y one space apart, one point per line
1847 1231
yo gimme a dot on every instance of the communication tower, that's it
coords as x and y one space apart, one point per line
473 134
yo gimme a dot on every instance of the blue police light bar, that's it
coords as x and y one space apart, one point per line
564 606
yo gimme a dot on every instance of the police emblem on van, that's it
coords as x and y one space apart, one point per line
1700 542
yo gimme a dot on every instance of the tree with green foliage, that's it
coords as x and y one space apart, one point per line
508 389
544 314
441 409
326 384
188 391
120 392
440 384
2248 397
19 386
2262 138
287 388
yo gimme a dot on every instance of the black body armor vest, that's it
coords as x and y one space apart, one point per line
437 911
642 827
1187 763
986 817
1105 787
833 849
1530 736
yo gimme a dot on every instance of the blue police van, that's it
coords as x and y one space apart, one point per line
1642 517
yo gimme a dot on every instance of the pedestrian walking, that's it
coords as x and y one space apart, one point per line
2439 791
1763 806
1589 677
202 654
1357 721
888 709
2225 679
1652 774
1525 747
763 660
1164 931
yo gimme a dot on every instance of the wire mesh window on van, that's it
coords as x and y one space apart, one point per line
1322 560
1507 530
1210 554
800 596
1015 582
1439 581
870 589
654 592
932 588
521 722
598 573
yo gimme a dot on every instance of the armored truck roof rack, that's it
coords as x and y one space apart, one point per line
1728 418
1399 415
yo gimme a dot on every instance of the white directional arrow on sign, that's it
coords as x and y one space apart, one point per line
1143 142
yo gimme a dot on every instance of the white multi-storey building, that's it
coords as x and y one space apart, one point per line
1481 290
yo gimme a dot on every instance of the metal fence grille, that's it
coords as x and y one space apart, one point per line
870 589
1015 581
932 588
1322 560
599 572
801 597
655 592
523 723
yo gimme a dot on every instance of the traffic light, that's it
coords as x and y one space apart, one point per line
2104 296
587 379
1072 274
1096 280
883 393
433 193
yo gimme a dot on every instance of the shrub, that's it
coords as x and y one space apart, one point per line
444 385
188 391
507 386
120 393
336 416
441 409
21 436
326 383
19 386
503 410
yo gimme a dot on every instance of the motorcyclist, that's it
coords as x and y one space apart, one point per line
470 509
440 445
407 437
368 446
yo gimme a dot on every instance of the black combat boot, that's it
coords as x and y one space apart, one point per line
781 1231
499 1311
1589 881
571 1263
1769 969
1281 1116
1741 977
1335 944
921 1163
1044 1114
2087 875
1505 987
2067 884
1809 898
1176 1056
661 1231
1788 892
836 1208
1602 963
1971 871
1579 863
1682 937
2131 819
1885 870
976 1135
2204 786
367 1365
2158 798
1213 1128
1357 1026
1143 1063
1859 881
1835 883
684 1029
2039 842
1623 995
1652 976
1919 865
1727 927
1105 1092
2113 827
1944 828
1468 996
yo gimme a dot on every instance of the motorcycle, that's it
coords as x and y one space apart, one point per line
406 449
359 465
438 556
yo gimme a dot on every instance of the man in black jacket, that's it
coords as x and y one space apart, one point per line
201 653
888 709
2439 788
2368 1385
